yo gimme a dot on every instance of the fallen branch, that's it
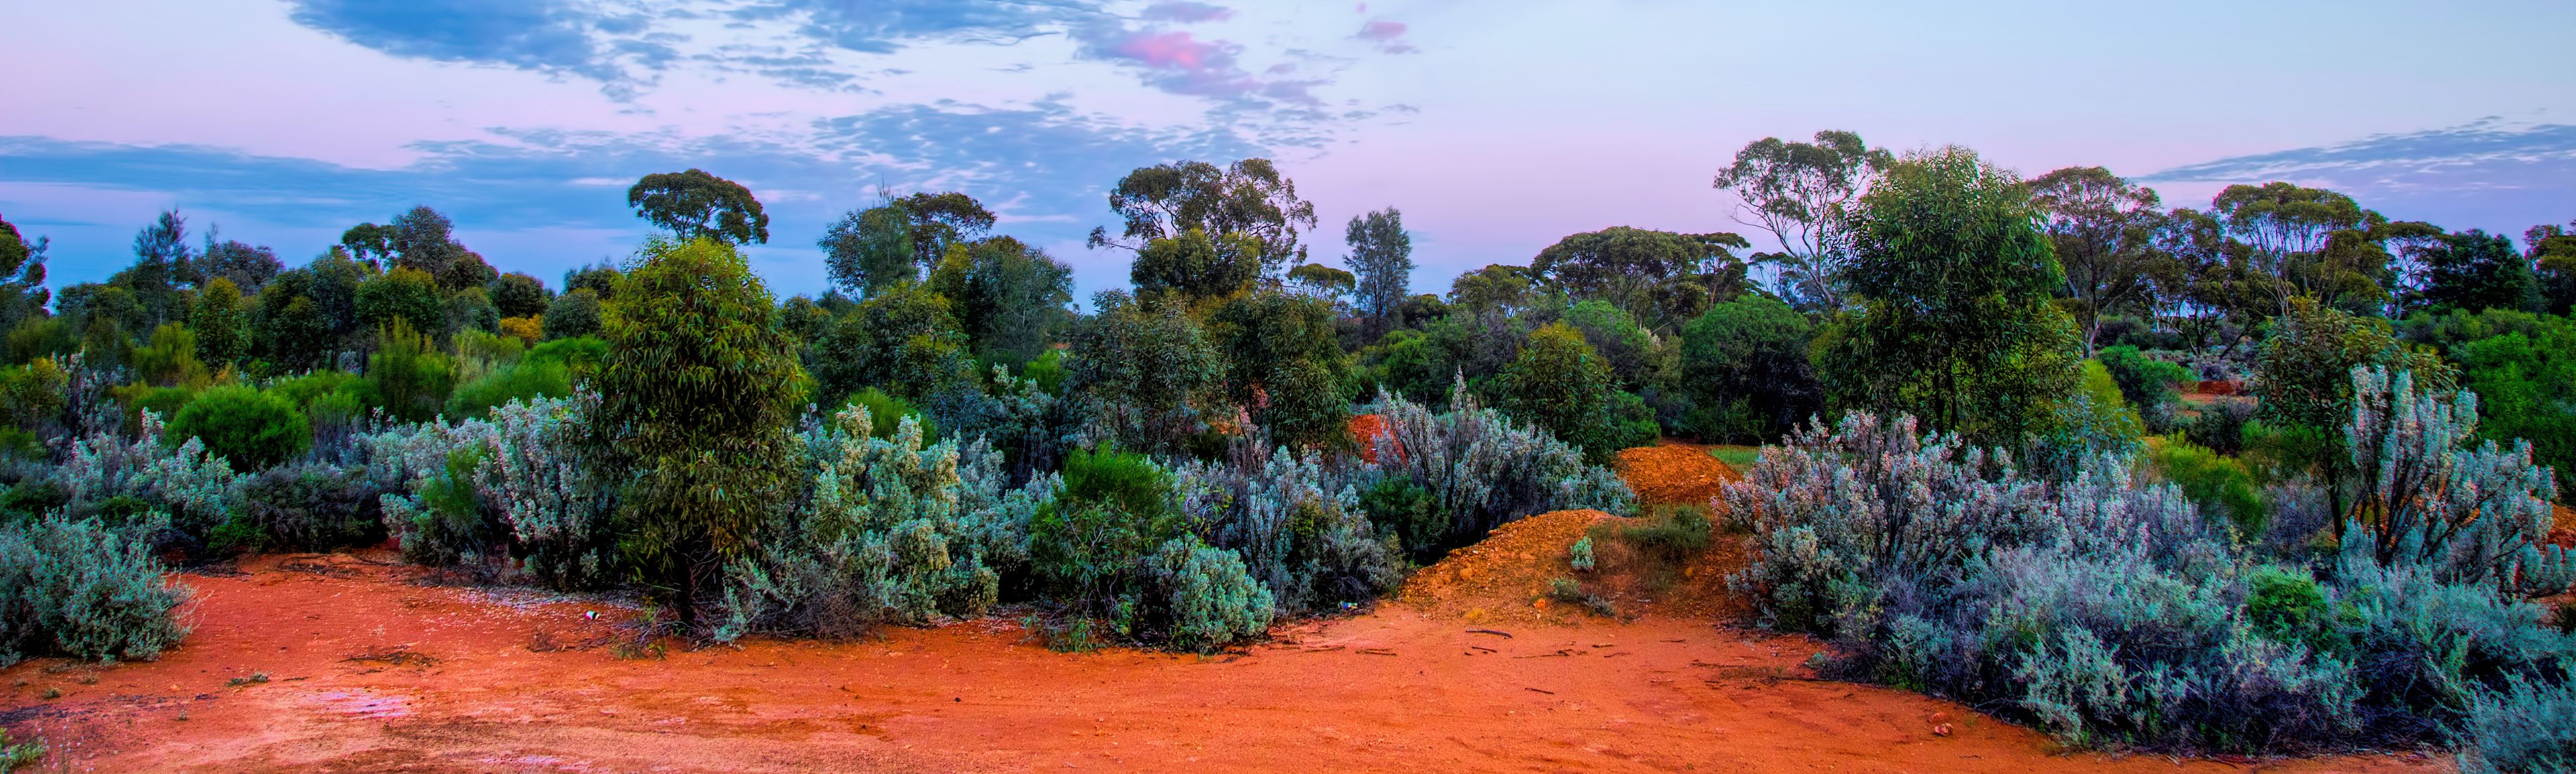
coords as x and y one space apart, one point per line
1541 690
1496 632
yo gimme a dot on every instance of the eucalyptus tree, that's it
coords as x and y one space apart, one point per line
1381 261
2104 229
694 205
1248 198
1800 193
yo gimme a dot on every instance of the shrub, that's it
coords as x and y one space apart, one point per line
880 538
198 490
2470 515
535 475
528 378
1207 596
1579 556
1666 536
1301 535
440 522
2522 728
573 314
1482 470
2221 486
1400 508
83 590
2147 383
252 429
887 412
409 375
1112 508
310 507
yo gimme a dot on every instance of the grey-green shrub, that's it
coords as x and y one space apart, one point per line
878 537
1208 599
85 590
1481 469
2522 728
1302 534
534 476
197 489
310 506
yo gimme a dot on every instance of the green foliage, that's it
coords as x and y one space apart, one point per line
1400 507
2146 383
1009 298
1638 270
1745 362
15 755
170 360
888 410
2222 486
1381 260
1247 199
1283 359
407 295
1580 556
1954 323
695 397
2523 368
1480 469
1663 537
220 319
410 376
310 507
527 378
1801 193
1560 385
695 205
520 295
573 314
1088 544
1145 373
1196 266
2474 271
2104 229
80 589
441 523
253 429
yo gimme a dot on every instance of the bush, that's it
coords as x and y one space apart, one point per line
1407 511
1482 470
1665 536
309 507
2108 612
84 590
1087 545
881 538
106 476
2221 486
888 411
528 378
252 429
2147 383
535 475
1208 599
2522 728
1302 535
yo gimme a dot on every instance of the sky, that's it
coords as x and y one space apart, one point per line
1496 126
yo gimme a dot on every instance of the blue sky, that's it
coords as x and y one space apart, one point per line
1497 126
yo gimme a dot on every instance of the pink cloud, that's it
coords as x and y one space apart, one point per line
1381 29
1187 12
1170 51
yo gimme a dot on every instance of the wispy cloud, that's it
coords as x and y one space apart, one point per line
553 36
1388 35
2466 175
1187 12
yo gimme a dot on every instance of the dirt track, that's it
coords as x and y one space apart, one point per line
368 671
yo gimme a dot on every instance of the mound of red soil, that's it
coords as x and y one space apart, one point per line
1674 472
1504 577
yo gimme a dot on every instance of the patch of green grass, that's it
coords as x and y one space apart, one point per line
1738 457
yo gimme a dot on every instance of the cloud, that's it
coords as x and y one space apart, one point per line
2487 173
552 36
1187 12
1388 35
1045 168
883 26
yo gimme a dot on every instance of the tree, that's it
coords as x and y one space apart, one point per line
1953 279
2104 230
1625 266
695 402
248 267
2552 249
1008 297
1560 385
1798 192
573 314
407 294
2475 271
1248 198
1381 259
22 266
904 341
1320 281
1196 266
162 261
600 279
2282 224
1146 371
221 321
420 239
2303 386
694 205
520 295
1283 361
1745 363
874 248
411 377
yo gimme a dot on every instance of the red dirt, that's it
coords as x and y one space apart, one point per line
369 671
454 685
1365 430
1674 472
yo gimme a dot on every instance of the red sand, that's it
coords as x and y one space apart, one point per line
457 683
